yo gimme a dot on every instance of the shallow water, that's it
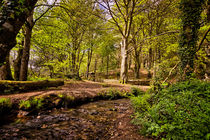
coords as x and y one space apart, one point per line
92 121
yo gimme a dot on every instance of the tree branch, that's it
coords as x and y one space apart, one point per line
202 40
50 7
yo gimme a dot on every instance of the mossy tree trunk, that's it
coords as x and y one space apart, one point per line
190 17
13 15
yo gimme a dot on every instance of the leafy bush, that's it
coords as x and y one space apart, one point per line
181 111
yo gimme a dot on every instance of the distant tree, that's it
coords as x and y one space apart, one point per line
122 13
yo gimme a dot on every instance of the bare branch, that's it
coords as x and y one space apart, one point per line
50 7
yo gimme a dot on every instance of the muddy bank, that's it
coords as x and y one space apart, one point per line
97 120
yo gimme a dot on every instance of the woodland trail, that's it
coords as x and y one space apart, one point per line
100 120
78 89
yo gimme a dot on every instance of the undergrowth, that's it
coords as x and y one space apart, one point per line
181 111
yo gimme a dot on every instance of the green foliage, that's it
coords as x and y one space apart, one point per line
5 105
181 111
116 94
136 91
35 103
113 94
141 102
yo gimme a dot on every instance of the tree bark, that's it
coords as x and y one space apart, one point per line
5 71
189 36
10 25
107 66
28 85
130 62
124 61
95 69
26 48
137 63
17 64
208 11
90 52
150 62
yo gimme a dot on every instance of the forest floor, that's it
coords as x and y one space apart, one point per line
96 120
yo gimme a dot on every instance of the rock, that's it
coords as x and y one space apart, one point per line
29 124
22 113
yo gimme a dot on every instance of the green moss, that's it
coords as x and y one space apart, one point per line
105 85
113 94
35 103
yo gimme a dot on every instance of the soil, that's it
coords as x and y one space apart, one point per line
102 120
74 88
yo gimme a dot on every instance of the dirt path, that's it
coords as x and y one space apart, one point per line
74 88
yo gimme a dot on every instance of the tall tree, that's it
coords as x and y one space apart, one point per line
190 16
26 48
13 15
122 13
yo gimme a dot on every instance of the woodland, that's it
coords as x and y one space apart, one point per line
149 56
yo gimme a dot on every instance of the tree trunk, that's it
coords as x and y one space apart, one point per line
26 48
5 71
137 63
10 25
73 59
208 11
95 69
124 61
17 64
130 62
28 85
90 52
189 36
107 66
150 63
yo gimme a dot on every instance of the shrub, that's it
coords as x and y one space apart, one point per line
181 111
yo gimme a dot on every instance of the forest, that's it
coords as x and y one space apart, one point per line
105 69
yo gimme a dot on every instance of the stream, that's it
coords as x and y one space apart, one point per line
102 120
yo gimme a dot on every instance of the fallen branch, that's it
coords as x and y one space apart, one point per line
171 72
203 38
